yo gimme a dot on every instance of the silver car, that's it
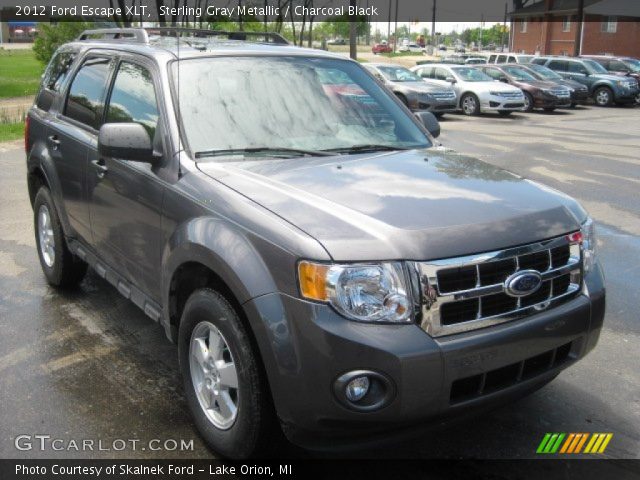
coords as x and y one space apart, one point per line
477 92
413 91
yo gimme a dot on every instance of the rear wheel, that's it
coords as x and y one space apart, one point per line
470 104
528 102
61 267
603 97
223 383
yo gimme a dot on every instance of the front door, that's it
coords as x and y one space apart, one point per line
126 196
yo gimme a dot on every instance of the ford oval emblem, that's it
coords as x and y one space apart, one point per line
524 282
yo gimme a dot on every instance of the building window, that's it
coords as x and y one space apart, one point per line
566 24
610 24
523 26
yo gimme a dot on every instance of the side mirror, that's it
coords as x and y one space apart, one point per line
430 122
128 141
451 80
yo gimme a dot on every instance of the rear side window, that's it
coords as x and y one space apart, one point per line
85 102
442 74
133 98
492 59
558 65
512 60
502 58
576 67
54 77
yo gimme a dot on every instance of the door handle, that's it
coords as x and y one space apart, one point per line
55 141
100 166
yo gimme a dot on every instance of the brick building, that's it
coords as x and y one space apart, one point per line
551 27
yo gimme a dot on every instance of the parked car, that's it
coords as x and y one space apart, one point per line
475 61
579 92
459 48
604 87
381 48
624 66
442 47
321 268
476 91
411 47
413 91
537 93
337 41
510 58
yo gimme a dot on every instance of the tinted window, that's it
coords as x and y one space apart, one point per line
54 76
512 60
502 58
492 58
558 65
617 66
133 98
425 72
575 67
86 95
539 61
495 74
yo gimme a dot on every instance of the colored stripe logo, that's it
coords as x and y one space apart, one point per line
574 443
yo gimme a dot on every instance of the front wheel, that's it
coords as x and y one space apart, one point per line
528 102
470 104
61 267
603 97
222 379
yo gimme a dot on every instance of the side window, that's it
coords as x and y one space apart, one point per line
576 67
502 59
133 98
85 102
492 58
493 73
511 59
539 61
616 66
53 78
558 65
441 74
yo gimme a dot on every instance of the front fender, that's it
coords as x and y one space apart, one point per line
223 248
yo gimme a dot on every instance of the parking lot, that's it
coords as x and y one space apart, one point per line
89 365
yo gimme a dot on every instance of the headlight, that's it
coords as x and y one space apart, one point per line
375 292
588 243
496 94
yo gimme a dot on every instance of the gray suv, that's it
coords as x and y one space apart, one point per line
605 88
324 269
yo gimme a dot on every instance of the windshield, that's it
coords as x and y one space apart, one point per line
633 64
399 74
470 74
518 73
594 67
544 72
287 103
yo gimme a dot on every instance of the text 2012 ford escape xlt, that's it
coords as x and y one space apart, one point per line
322 267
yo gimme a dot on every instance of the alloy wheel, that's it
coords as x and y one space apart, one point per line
469 105
214 375
46 237
602 97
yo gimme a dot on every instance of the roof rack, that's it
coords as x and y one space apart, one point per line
141 35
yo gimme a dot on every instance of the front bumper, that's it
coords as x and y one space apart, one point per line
626 95
498 103
433 105
549 101
579 96
306 347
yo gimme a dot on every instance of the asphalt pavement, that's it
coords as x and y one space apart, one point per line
88 365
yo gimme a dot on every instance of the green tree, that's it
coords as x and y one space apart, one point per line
51 36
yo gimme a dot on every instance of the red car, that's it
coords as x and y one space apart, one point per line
381 48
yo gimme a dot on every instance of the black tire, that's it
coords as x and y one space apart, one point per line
66 269
255 422
603 96
528 104
504 113
470 104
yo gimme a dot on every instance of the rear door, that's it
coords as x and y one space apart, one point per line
126 196
73 131
578 72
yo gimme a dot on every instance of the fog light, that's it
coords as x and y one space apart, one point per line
357 388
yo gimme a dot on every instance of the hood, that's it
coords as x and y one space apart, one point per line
421 86
607 76
492 86
571 84
546 84
418 204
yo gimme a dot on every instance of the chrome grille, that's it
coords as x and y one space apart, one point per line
444 95
509 94
561 92
467 293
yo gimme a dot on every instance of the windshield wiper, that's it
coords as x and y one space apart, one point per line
365 148
272 150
